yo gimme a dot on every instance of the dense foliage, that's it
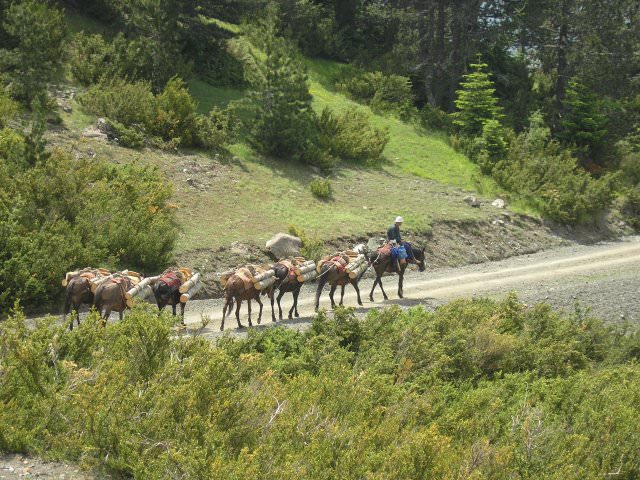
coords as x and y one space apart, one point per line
57 213
170 116
477 389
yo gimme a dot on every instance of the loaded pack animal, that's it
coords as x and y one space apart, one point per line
239 287
332 270
166 291
287 282
78 292
383 262
111 296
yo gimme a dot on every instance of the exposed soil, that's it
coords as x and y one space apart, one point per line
601 279
448 244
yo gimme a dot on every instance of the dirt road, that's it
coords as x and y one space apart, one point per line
604 278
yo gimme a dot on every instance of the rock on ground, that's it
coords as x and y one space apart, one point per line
283 245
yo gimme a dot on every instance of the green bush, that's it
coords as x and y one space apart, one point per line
538 167
384 93
476 389
127 137
321 188
8 108
62 213
433 118
91 58
175 115
312 247
129 103
221 127
631 207
350 136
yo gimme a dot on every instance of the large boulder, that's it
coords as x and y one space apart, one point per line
498 203
282 245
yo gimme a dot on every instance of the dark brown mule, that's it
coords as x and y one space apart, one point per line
166 291
110 296
240 287
287 283
336 276
78 292
382 262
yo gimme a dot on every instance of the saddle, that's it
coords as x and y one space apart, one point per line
124 283
288 264
171 279
246 276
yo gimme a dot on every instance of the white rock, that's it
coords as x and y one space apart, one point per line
283 245
498 203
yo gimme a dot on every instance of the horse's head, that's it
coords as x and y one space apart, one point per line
418 254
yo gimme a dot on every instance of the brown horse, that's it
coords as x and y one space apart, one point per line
382 262
287 283
333 272
240 287
78 292
110 296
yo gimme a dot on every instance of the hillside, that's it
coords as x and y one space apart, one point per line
241 196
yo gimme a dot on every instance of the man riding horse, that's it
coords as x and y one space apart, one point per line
393 236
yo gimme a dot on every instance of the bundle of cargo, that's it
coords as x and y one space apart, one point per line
262 278
357 265
189 288
89 273
224 277
306 271
96 282
142 290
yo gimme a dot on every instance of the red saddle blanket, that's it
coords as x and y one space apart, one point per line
339 262
171 279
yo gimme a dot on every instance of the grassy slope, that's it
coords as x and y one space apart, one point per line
244 197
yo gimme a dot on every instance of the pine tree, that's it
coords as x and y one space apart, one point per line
279 97
581 123
476 102
37 31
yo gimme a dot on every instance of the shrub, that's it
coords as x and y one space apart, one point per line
127 137
219 128
64 213
540 168
129 103
351 137
476 389
384 93
312 247
321 188
8 108
631 207
175 115
433 118
91 58
492 147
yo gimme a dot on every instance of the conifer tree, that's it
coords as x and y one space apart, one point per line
279 97
37 31
476 102
581 123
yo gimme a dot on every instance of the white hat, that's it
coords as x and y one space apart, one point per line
399 220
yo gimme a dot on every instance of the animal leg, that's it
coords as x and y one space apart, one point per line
182 305
260 312
321 283
249 307
121 315
238 303
375 283
342 295
294 307
331 292
225 307
355 285
400 281
173 307
384 294
77 309
280 294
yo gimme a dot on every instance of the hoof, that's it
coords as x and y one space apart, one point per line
360 303
241 326
371 298
222 329
297 315
386 298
